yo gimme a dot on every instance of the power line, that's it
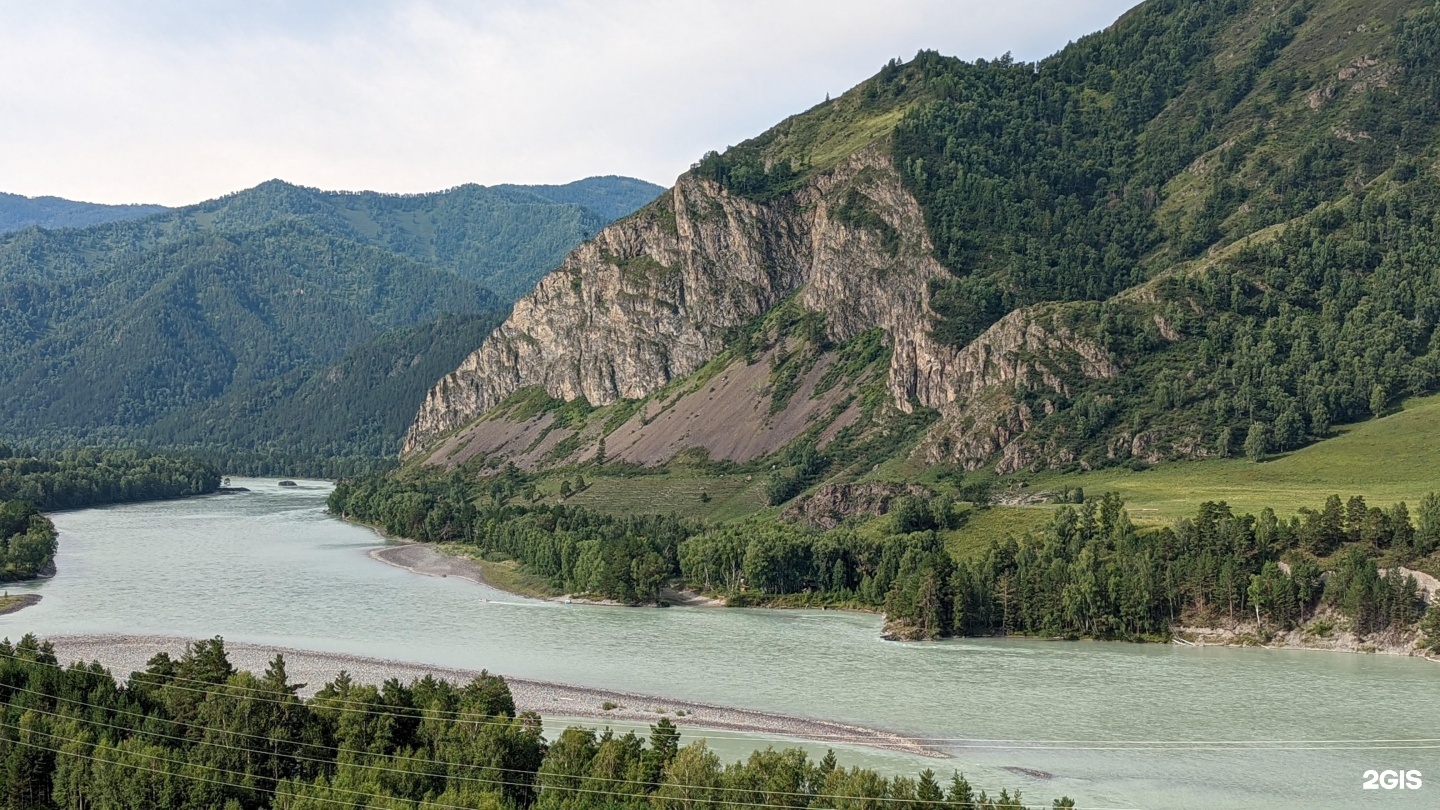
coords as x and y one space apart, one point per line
256 693
423 760
876 737
1246 745
192 765
540 787
273 753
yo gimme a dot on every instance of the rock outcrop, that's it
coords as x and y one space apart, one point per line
653 297
832 504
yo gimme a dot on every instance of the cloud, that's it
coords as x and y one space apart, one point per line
174 101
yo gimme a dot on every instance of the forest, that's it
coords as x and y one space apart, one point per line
577 550
192 733
75 479
18 212
278 320
1048 182
27 541
1091 573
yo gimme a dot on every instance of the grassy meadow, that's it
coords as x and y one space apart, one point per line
1393 458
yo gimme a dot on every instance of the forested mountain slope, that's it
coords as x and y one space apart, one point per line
1204 231
197 325
18 213
358 407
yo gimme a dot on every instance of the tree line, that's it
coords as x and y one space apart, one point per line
1093 573
1090 573
578 550
193 733
74 479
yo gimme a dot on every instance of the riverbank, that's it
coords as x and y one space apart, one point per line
450 560
1324 635
454 560
20 601
125 654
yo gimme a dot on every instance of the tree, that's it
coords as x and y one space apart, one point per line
649 573
1225 441
1379 398
1430 630
664 744
1427 532
1289 429
1319 422
911 514
1257 441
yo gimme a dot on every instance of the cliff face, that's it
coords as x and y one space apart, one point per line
651 298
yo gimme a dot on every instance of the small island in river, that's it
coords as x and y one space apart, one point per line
20 601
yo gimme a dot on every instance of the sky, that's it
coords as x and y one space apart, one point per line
177 101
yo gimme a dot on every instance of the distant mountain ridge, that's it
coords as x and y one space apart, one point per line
140 329
501 237
18 212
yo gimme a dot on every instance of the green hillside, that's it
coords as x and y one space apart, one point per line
114 347
503 238
1390 459
360 406
222 324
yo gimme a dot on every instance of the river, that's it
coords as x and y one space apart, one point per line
1194 727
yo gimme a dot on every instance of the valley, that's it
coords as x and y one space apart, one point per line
1041 421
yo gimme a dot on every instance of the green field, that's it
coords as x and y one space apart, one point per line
995 523
1395 458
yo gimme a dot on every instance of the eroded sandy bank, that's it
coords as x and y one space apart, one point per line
422 559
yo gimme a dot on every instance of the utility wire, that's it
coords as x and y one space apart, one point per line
875 737
361 794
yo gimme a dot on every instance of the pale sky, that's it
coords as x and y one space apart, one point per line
176 101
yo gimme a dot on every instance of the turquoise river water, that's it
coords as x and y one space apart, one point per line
1112 725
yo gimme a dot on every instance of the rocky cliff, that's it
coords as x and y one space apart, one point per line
653 297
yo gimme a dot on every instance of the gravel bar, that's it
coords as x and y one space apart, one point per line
123 654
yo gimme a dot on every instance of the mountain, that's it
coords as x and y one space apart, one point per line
1204 231
152 330
501 237
18 213
609 197
359 406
